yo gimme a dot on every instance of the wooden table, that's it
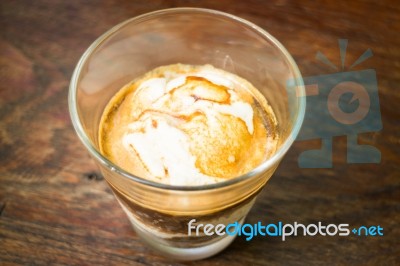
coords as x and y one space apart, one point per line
55 208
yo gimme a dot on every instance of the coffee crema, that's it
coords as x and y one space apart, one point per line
188 125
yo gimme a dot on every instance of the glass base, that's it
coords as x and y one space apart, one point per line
185 254
180 253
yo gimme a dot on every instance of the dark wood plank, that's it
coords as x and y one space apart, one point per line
56 209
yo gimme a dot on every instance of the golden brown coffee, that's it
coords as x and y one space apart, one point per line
188 125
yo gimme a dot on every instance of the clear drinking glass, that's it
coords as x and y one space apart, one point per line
160 213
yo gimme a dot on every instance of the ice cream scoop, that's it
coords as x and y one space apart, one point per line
187 125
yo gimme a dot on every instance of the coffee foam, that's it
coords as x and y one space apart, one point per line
186 125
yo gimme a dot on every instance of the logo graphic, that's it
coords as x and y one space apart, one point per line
344 103
280 229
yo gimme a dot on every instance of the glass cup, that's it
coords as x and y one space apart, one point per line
160 213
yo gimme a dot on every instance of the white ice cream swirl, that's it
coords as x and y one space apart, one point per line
177 112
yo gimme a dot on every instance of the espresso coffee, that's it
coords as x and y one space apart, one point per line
188 125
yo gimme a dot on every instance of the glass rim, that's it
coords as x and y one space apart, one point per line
300 91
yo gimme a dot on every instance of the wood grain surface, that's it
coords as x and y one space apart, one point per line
55 207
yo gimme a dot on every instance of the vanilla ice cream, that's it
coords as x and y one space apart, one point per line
188 125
